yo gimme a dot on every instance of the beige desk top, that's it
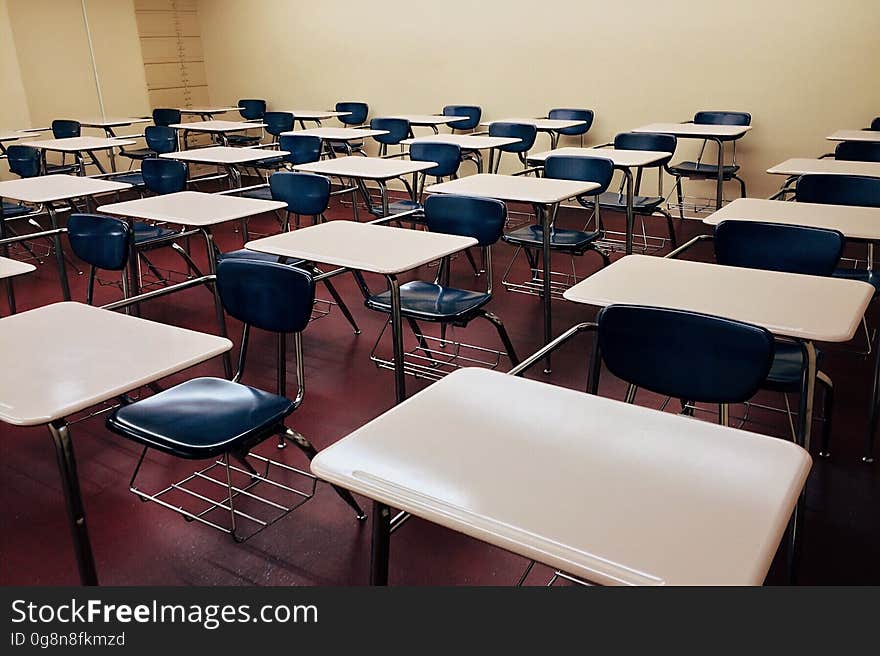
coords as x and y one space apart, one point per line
70 356
465 141
425 120
338 134
855 135
79 144
111 121
542 124
615 493
207 110
806 165
368 168
620 157
13 135
217 126
854 222
10 268
313 114
806 307
48 188
224 155
363 246
696 130
192 208
514 188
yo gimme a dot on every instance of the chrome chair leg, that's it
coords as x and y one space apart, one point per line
502 334
827 406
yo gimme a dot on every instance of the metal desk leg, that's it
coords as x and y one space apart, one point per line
554 139
630 217
4 251
211 253
76 513
397 339
110 135
383 191
59 253
875 401
381 544
719 187
545 219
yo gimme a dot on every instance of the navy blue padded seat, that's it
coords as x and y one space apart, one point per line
472 112
575 242
263 193
145 232
426 301
12 210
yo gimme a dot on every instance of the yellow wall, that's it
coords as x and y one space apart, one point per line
802 69
14 108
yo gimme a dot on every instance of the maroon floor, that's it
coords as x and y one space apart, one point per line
321 543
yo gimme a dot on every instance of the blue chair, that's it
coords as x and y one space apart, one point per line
160 139
278 122
701 171
563 114
251 109
438 302
448 159
356 118
530 239
524 132
397 129
875 124
65 129
25 162
165 116
224 420
857 151
791 249
302 149
102 242
472 112
306 194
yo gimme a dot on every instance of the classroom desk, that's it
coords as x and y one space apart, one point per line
9 269
798 166
206 113
855 135
313 115
433 121
469 144
227 157
624 161
375 169
369 248
218 129
86 356
544 194
79 145
709 132
613 493
107 124
549 125
46 190
338 135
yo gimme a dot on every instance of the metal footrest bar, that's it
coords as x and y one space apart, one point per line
693 207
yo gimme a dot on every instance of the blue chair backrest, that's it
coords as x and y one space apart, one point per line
466 216
686 355
778 247
166 116
266 295
252 108
303 148
723 118
830 189
358 115
397 128
583 169
164 176
304 193
278 122
564 114
24 161
160 138
875 124
63 128
664 143
101 241
447 156
473 112
524 132
857 151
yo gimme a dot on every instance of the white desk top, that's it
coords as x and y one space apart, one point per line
70 356
806 307
363 246
338 134
367 168
514 188
313 114
224 155
696 130
855 135
48 188
111 121
806 165
79 144
542 124
429 119
10 268
465 141
854 222
32 130
217 126
13 135
207 110
620 157
611 492
192 208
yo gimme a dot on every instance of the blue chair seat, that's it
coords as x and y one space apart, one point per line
865 275
613 201
145 232
702 169
269 162
263 193
245 254
57 169
242 139
340 147
12 210
139 153
134 178
202 418
427 301
785 372
575 241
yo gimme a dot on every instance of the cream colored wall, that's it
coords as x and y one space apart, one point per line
802 69
14 111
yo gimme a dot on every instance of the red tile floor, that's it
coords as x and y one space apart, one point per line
321 543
